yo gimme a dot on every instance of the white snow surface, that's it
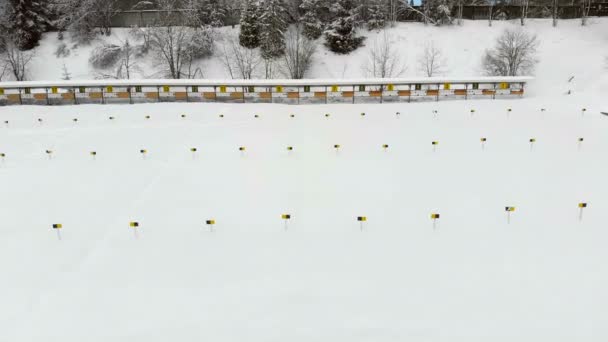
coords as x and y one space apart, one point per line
475 277
543 277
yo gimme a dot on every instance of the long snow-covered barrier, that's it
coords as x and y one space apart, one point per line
260 91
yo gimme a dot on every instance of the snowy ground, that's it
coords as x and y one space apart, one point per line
474 278
566 51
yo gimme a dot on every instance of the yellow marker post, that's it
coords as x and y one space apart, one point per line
57 227
361 219
93 154
2 156
286 218
210 223
326 115
242 149
435 217
483 143
509 210
472 112
221 115
362 114
292 116
583 111
193 150
508 112
435 144
183 116
147 117
134 225
143 153
532 141
581 206
385 147
337 148
49 153
580 143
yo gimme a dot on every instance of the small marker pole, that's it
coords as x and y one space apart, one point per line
532 141
583 112
581 206
57 227
134 225
193 150
398 115
483 143
435 217
210 223
6 123
508 113
94 155
2 156
580 143
509 210
286 217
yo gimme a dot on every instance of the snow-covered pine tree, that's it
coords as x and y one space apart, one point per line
440 11
249 36
272 28
28 20
376 15
206 12
313 26
341 37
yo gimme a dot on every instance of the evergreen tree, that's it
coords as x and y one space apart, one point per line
376 15
341 37
440 11
312 19
249 36
28 20
207 12
272 29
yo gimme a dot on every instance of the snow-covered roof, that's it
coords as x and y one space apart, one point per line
271 82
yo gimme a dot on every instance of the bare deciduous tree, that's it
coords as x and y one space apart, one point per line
115 61
178 47
383 61
585 8
14 61
299 52
513 55
431 62
524 10
239 61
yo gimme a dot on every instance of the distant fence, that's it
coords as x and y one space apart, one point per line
259 91
130 18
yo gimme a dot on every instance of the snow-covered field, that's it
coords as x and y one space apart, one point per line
543 277
475 277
